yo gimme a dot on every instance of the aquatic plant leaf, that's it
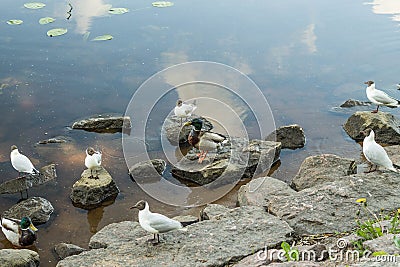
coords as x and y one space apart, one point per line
14 22
162 4
34 5
105 37
46 20
56 32
118 10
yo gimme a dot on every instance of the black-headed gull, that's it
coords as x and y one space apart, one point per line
156 223
21 162
375 153
92 160
183 110
379 97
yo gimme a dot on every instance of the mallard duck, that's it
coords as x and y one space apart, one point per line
21 163
92 160
379 97
375 153
157 223
21 233
183 110
202 140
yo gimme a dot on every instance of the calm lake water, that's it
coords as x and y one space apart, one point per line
307 57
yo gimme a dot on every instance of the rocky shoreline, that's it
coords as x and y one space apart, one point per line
313 221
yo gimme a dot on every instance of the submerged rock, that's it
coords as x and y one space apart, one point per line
64 250
37 208
349 103
385 125
177 133
88 193
220 241
322 168
239 162
19 258
148 171
291 136
55 140
104 124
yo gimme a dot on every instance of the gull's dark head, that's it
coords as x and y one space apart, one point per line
366 132
140 205
13 147
369 83
90 151
179 103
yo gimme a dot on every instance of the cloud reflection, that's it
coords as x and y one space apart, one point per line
309 38
386 7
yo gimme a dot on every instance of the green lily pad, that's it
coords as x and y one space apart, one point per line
46 20
118 10
105 37
14 22
162 4
56 32
34 5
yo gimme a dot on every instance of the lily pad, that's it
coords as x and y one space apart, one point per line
56 32
105 37
34 5
14 22
118 10
46 20
162 4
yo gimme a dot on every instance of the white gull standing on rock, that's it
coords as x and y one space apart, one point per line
21 162
156 223
183 110
92 160
375 153
379 97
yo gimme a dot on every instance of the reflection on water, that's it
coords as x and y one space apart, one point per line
386 7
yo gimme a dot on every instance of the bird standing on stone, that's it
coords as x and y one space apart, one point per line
379 97
21 233
156 223
183 110
21 162
202 140
375 153
93 160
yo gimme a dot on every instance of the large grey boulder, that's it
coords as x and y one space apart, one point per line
219 241
291 136
385 126
236 159
64 250
109 124
331 207
19 258
383 243
88 193
37 208
319 169
260 191
148 171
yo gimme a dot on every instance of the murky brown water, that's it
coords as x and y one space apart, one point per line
305 58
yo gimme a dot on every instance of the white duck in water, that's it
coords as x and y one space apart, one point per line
183 110
156 223
92 160
375 153
21 233
379 97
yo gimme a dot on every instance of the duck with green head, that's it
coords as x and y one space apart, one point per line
203 140
21 233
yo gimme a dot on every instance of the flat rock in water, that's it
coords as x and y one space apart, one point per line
349 103
19 258
322 168
47 173
88 193
55 140
385 125
220 241
37 208
245 159
64 250
148 171
290 136
177 133
104 124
